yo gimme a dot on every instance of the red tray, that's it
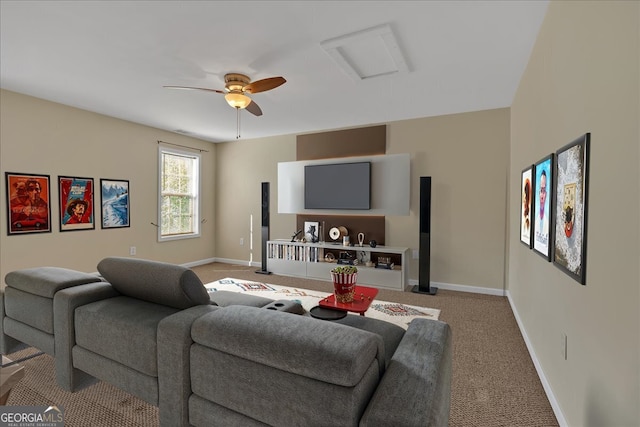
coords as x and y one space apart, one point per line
361 300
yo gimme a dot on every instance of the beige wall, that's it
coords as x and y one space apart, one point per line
42 137
242 167
582 77
467 156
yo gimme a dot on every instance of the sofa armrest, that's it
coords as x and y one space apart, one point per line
65 303
417 383
174 382
7 344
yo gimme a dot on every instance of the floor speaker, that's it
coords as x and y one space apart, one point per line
424 268
264 225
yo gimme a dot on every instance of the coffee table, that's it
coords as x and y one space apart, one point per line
362 299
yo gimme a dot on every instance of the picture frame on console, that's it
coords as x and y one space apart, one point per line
311 231
76 203
572 190
115 203
526 206
542 215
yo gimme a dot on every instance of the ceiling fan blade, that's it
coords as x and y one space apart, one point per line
194 88
264 84
254 109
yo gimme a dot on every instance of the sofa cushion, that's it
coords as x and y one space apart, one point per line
46 281
158 282
122 329
323 350
321 373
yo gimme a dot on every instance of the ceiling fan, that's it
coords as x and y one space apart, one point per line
236 88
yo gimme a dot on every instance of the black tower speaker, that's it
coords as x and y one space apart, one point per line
264 200
424 270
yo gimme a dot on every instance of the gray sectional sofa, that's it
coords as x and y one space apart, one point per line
152 330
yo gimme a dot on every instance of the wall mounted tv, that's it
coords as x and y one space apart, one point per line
337 186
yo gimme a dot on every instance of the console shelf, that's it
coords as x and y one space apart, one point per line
308 260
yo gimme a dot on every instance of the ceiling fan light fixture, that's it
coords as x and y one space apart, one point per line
237 100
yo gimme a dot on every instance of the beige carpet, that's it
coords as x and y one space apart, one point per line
494 380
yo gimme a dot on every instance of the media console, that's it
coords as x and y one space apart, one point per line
308 260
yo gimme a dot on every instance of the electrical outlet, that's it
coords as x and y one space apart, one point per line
242 241
416 254
563 345
132 250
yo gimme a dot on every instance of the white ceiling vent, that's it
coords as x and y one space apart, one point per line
369 53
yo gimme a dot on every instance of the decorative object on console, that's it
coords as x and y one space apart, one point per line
311 230
346 258
373 243
295 235
360 239
345 241
329 257
344 282
385 262
334 233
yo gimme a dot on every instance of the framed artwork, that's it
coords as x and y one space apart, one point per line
570 245
114 203
311 230
542 216
28 203
76 203
526 190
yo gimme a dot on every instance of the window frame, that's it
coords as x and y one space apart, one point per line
196 196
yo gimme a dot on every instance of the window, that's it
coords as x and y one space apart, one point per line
178 203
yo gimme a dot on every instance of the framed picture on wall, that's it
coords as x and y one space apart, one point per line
570 245
114 203
526 206
76 203
28 203
542 216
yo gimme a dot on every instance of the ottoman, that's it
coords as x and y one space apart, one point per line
26 306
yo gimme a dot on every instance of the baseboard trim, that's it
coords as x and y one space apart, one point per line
225 260
463 288
545 384
201 262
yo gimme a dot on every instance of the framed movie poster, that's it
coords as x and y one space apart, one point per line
76 203
526 189
570 246
542 205
28 203
114 203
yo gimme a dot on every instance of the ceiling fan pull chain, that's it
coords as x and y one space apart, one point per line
237 123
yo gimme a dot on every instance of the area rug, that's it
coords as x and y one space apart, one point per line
399 314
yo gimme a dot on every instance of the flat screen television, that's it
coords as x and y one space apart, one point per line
337 186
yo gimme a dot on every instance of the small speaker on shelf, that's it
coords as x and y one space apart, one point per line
424 269
264 229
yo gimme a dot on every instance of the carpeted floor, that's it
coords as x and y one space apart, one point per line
494 380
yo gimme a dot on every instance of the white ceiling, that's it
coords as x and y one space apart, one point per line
114 58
